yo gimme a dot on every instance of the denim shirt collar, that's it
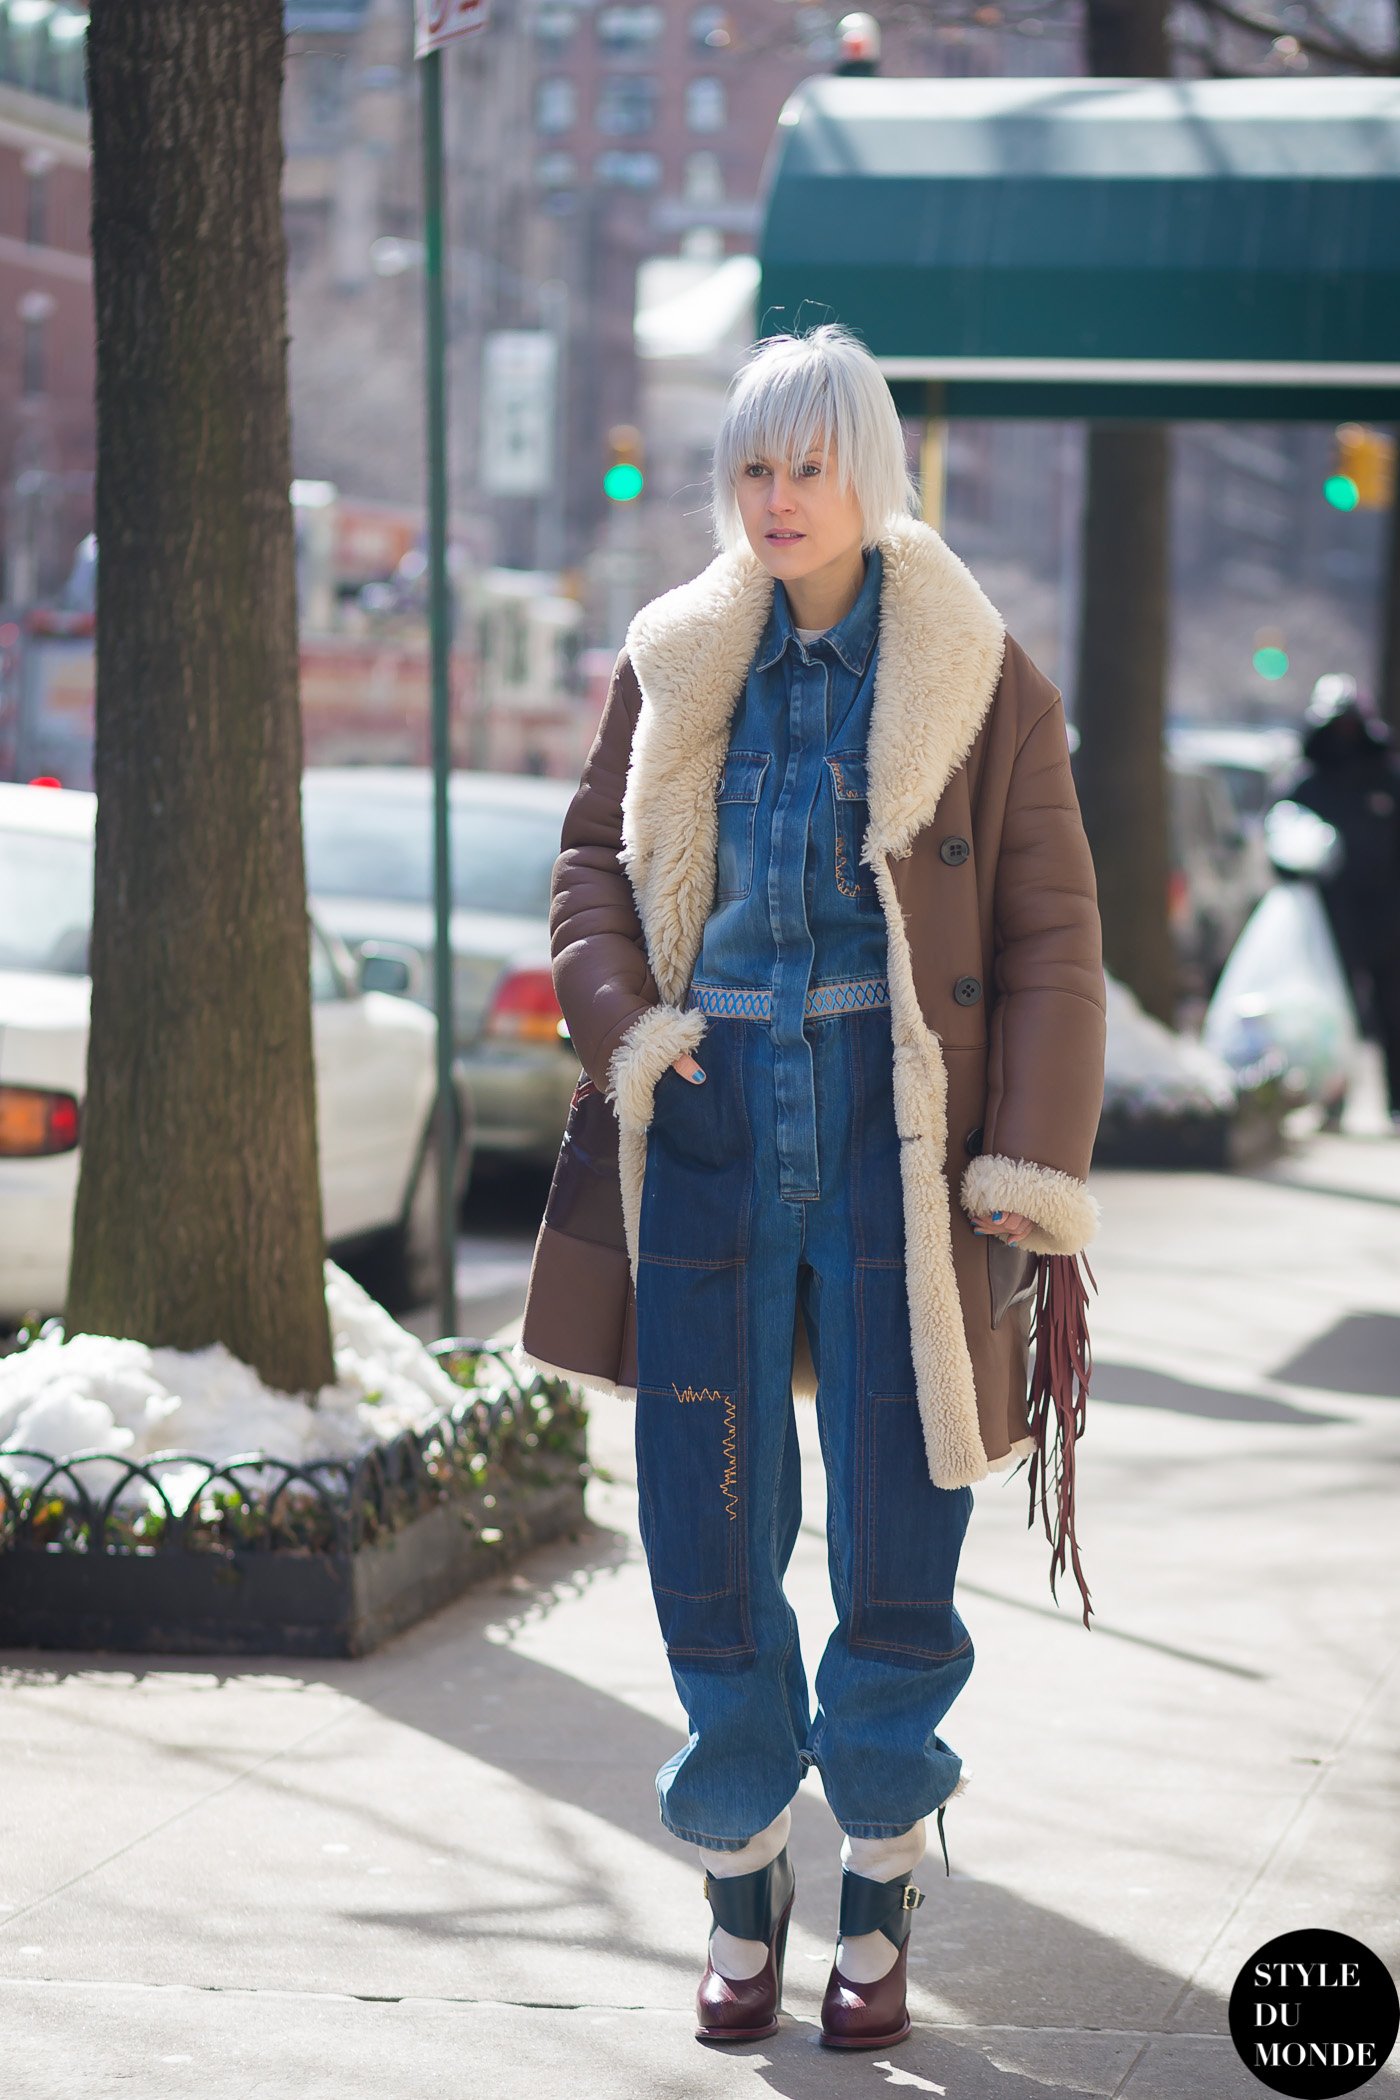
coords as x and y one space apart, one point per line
852 638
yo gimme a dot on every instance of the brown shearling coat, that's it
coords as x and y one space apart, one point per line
997 1096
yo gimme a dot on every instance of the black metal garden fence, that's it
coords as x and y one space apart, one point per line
256 1554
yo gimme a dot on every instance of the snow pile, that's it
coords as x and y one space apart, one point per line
1151 1071
94 1393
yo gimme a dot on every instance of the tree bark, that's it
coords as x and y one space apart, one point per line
1122 643
1122 653
1128 37
1388 693
198 1214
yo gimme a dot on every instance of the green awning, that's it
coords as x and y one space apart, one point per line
1068 247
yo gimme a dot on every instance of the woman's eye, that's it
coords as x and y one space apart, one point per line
755 466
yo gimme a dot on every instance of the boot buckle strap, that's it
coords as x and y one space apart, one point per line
912 1897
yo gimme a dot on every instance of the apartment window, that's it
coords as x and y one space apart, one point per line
818 35
704 179
626 104
34 311
629 28
709 28
555 25
704 103
325 88
36 197
556 171
628 171
556 105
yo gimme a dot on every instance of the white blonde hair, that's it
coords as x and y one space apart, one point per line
796 394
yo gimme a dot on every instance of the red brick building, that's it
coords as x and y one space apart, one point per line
47 425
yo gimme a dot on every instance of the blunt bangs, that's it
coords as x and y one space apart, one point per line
796 394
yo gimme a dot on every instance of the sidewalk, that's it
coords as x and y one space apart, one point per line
441 1869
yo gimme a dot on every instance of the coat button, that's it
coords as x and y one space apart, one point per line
954 852
972 1143
967 991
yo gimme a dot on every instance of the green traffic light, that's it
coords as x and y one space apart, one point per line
1341 492
1271 663
623 482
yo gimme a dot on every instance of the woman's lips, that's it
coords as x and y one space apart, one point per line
784 537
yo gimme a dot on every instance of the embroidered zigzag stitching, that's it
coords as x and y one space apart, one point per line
736 1003
729 1483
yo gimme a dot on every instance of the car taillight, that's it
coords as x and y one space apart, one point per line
525 1008
34 1121
1178 898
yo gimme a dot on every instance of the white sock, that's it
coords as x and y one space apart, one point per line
731 1957
867 1956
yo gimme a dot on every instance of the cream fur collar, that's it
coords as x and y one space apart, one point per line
941 644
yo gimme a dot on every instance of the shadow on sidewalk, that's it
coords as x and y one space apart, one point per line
1129 1385
1032 1997
990 1957
1359 1354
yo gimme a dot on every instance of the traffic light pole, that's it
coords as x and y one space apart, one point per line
440 623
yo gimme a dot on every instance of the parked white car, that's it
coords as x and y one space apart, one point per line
375 1076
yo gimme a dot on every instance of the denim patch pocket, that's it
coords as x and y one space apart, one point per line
697 1187
740 785
851 818
692 1487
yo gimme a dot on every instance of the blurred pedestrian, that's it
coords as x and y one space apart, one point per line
827 837
1350 777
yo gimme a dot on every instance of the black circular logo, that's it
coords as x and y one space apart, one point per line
1314 2014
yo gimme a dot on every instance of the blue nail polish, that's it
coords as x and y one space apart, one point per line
997 1216
697 1078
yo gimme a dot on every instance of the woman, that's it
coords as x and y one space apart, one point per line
825 936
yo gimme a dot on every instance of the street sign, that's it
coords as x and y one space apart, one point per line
517 412
440 21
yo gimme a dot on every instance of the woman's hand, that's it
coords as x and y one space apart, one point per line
1008 1225
687 1067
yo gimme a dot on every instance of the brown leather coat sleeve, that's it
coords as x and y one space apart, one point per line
601 977
1048 1051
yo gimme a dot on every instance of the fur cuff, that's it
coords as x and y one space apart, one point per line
1064 1215
655 1040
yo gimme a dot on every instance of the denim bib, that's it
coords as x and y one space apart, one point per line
796 911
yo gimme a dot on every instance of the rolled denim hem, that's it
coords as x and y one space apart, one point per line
706 1839
883 1830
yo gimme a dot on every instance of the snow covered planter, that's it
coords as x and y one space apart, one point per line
303 1526
1168 1102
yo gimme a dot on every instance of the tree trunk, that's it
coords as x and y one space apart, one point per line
198 1214
1120 678
1122 648
1127 37
1388 692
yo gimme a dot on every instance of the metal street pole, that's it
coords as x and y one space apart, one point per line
440 627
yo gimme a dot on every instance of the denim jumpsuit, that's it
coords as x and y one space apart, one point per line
776 1185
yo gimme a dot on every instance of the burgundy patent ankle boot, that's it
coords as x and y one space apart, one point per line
873 2015
755 1906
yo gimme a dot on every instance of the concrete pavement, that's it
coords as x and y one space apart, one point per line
441 1868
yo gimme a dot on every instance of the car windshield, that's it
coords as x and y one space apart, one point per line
502 858
1248 787
45 902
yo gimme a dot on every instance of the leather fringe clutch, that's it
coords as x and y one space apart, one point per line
1061 1365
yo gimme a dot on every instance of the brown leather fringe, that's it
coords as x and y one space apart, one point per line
1060 1372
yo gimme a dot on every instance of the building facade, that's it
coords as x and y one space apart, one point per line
47 426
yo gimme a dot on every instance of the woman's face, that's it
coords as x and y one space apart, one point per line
798 520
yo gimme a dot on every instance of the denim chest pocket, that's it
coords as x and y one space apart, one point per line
851 816
740 785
